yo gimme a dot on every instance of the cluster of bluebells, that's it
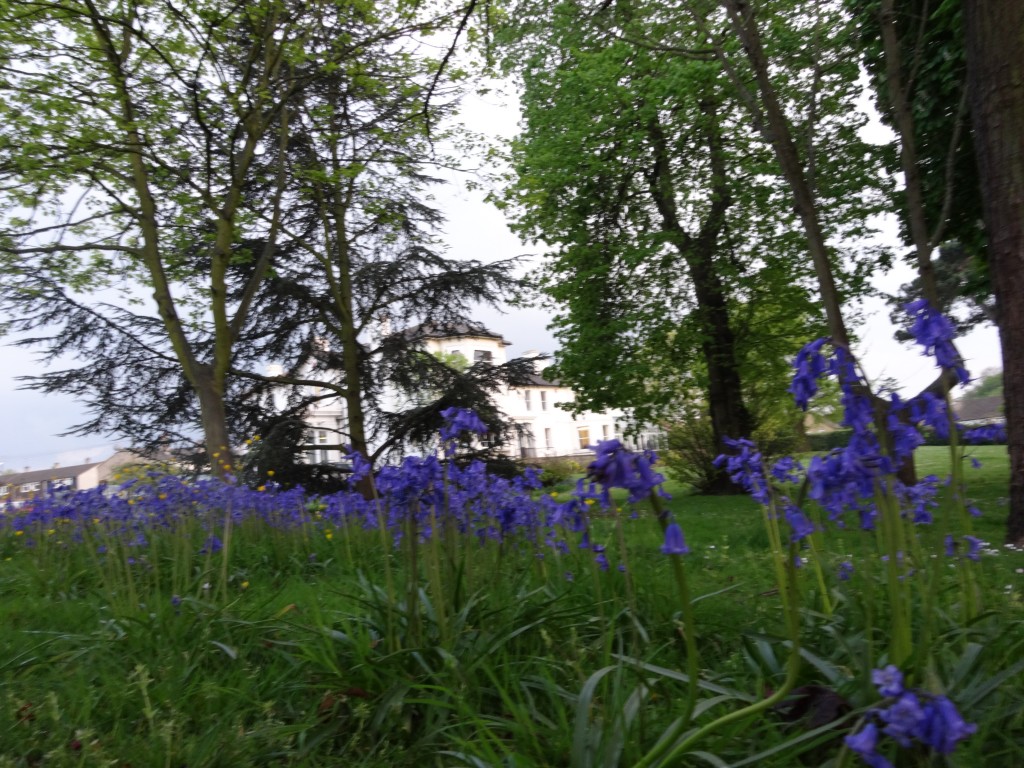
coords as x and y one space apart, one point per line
910 717
422 496
846 480
616 467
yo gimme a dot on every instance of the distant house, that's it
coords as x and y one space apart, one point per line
547 429
18 487
979 411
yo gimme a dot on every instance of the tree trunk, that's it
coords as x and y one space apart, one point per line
214 420
995 74
729 414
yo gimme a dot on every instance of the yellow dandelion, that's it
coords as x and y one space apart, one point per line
328 535
216 454
162 496
262 488
51 531
131 501
245 585
589 502
19 533
270 473
554 495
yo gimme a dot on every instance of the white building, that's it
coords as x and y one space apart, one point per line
541 408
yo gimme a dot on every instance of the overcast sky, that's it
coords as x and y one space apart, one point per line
30 422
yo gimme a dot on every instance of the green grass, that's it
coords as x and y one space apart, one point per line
300 661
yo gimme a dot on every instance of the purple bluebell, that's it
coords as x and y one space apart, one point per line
865 744
888 680
902 718
810 366
616 467
675 542
935 332
942 726
800 526
845 571
990 433
460 420
974 545
746 469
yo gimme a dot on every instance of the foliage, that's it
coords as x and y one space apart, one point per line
469 620
932 71
258 173
667 261
988 385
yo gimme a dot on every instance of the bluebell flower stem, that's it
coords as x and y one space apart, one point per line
788 587
892 534
689 638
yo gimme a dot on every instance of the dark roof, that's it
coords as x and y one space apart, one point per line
41 475
539 380
436 330
980 408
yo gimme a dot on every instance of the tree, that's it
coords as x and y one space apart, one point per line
669 238
915 56
989 384
994 34
135 156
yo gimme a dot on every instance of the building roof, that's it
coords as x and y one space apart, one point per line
41 475
457 329
980 408
538 380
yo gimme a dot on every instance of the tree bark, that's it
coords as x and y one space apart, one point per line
994 32
214 420
728 412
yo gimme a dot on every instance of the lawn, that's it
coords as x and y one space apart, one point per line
219 626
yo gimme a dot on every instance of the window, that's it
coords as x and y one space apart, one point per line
606 432
30 487
483 356
543 400
584 433
547 438
526 399
4 490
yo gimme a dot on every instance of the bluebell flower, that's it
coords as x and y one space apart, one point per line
902 718
211 545
941 726
460 420
675 543
746 469
845 570
935 332
990 433
617 467
810 366
864 744
974 545
800 526
889 681
914 716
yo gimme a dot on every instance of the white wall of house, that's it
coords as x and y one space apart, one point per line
551 430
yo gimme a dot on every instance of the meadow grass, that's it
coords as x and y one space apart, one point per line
235 639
